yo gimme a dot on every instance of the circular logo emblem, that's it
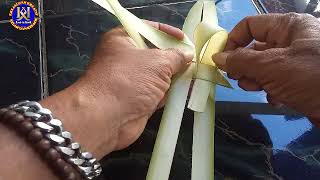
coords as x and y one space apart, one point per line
24 15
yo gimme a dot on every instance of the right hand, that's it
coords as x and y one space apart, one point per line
108 108
284 60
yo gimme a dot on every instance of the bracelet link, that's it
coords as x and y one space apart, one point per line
43 119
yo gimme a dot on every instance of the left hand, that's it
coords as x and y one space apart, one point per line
283 61
109 106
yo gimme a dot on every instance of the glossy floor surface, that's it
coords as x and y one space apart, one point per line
252 140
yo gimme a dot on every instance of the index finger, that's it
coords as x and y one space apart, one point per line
254 27
173 31
121 32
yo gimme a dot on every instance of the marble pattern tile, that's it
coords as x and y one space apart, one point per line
60 7
20 74
300 6
252 140
247 146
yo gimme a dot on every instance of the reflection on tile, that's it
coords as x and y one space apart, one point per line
294 128
279 6
247 146
243 148
295 146
300 6
20 72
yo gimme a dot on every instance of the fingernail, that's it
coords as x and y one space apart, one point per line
220 58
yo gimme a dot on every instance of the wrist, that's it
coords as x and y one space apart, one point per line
93 125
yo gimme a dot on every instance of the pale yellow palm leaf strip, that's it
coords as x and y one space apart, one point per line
115 8
209 39
193 19
135 26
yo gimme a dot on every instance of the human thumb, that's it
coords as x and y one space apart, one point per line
178 60
220 59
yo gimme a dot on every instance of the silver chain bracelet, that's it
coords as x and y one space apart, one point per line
53 130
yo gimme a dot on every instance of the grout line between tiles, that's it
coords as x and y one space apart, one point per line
43 53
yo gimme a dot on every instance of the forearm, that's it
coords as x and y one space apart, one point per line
73 108
21 161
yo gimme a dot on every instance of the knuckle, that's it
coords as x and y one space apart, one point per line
299 20
240 55
174 57
244 61
231 59
245 20
307 16
239 51
291 15
163 62
165 73
165 69
248 19
292 19
275 60
302 17
174 54
156 52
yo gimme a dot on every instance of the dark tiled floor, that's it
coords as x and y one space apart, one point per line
285 6
59 7
21 76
